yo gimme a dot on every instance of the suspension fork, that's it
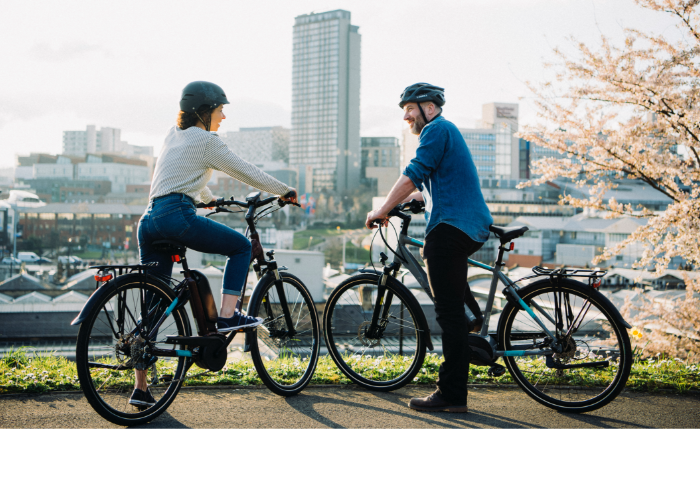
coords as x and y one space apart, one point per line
382 305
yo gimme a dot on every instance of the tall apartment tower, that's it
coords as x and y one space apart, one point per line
325 137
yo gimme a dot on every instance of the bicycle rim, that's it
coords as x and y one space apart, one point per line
385 363
595 339
284 361
106 343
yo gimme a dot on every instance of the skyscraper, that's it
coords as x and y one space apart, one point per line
325 137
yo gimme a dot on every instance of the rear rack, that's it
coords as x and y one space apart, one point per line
118 270
569 272
594 276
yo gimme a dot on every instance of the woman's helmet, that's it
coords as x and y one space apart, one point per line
200 93
420 92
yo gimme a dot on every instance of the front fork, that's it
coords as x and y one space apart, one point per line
382 306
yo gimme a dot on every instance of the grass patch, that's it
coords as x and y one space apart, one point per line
23 371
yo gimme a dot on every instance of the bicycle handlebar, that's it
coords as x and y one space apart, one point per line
414 206
221 202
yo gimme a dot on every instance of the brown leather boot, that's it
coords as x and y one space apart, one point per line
435 403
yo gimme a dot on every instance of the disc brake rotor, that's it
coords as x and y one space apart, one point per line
361 331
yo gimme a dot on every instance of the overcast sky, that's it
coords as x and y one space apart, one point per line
67 64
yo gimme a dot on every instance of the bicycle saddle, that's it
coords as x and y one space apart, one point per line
172 247
505 234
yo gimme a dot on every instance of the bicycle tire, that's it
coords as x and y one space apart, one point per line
103 340
284 363
599 337
346 317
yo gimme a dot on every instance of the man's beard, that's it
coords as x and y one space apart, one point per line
418 124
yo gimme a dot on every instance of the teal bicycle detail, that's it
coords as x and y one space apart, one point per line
562 341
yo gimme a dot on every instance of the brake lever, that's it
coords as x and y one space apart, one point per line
219 210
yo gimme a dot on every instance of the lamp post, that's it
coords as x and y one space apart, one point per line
15 214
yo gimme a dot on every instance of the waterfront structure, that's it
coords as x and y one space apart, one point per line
380 163
325 135
105 140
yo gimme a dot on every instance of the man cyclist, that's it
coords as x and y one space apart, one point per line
458 223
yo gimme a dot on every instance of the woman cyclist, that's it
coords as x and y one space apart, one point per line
185 164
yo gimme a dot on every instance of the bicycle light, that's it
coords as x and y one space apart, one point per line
175 258
103 278
512 245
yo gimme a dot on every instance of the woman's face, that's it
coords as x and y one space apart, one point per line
217 115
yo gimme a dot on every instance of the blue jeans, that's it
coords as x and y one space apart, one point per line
174 218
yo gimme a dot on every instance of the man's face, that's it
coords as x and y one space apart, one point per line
413 117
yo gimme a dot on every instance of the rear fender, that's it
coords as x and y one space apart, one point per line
605 302
106 287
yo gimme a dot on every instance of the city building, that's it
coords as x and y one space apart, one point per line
259 144
325 135
55 190
575 241
380 163
106 140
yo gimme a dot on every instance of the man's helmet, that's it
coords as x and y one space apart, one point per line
421 92
200 93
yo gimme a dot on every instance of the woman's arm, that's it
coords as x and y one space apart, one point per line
218 156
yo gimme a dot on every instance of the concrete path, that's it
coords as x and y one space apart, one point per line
353 407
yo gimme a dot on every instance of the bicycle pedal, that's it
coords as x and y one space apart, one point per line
496 370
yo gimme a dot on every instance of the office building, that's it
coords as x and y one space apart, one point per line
325 136
259 144
106 140
380 163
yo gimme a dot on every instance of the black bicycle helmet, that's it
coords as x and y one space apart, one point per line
421 92
200 93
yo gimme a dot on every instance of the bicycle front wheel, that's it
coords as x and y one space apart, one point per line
107 347
597 341
388 359
286 344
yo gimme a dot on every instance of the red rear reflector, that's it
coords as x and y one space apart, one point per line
512 245
175 257
104 278
596 284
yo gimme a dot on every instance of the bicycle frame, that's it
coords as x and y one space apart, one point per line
403 256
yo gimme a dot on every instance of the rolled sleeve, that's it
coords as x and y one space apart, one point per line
431 149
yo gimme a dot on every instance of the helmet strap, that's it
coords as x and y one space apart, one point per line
206 126
425 119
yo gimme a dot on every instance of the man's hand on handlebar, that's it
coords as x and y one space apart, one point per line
375 218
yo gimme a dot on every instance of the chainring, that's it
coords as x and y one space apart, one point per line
213 356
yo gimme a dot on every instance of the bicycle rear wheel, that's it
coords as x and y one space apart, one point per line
598 337
106 343
383 363
285 360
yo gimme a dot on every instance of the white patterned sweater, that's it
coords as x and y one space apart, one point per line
188 159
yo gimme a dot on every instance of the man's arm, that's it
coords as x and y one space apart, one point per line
400 193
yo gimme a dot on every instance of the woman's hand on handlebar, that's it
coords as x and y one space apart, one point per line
290 197
376 218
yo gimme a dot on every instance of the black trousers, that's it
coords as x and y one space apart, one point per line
445 255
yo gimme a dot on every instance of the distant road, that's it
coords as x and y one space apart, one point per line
351 407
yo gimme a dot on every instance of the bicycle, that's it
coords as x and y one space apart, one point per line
574 357
137 321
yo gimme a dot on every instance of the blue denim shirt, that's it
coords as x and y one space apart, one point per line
443 170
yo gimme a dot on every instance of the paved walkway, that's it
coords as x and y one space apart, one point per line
352 407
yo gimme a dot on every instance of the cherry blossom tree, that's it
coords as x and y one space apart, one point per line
633 112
